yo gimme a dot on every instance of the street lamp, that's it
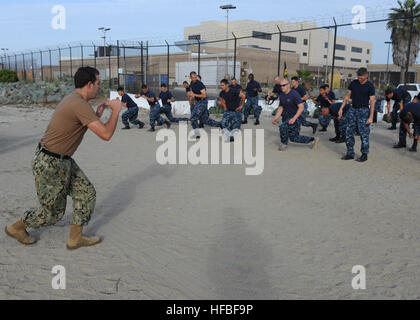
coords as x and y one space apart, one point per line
104 30
387 62
227 7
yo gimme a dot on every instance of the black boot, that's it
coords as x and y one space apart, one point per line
257 122
314 127
152 129
125 128
393 127
341 140
347 157
324 129
141 125
414 147
399 146
168 124
362 158
200 125
335 139
245 121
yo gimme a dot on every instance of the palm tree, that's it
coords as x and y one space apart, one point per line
401 32
304 74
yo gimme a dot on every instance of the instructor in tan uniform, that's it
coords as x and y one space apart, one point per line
56 173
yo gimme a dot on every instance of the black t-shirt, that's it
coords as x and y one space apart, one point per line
151 94
237 87
301 90
196 88
164 97
188 89
323 102
231 98
414 109
126 99
400 94
277 89
361 93
250 89
290 103
335 107
331 95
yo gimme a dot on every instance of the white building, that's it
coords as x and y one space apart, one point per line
315 47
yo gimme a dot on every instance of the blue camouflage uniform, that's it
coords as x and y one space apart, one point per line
414 109
358 114
200 110
252 99
166 108
154 115
131 113
400 94
232 119
340 126
302 92
290 103
324 121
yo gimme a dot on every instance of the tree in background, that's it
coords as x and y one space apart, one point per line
401 32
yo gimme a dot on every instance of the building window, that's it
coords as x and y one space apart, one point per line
325 56
288 39
305 42
194 37
350 75
261 35
340 47
367 61
326 45
340 58
304 54
368 51
355 60
356 49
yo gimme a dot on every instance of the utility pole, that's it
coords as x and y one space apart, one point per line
227 8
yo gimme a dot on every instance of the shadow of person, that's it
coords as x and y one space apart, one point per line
237 261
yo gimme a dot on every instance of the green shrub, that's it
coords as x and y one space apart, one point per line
8 76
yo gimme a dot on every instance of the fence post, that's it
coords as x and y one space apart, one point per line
94 54
147 59
71 64
279 56
81 49
167 62
407 64
109 66
333 60
118 62
59 62
24 68
141 63
234 57
8 58
16 64
42 71
32 67
199 56
51 73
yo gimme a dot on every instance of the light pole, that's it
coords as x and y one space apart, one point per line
387 62
227 7
104 30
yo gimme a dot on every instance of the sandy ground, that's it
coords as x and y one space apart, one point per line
211 232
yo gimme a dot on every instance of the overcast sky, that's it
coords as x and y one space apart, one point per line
26 24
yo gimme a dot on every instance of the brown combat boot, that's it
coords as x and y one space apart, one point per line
18 231
77 239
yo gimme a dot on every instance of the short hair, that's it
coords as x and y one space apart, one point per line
362 72
388 91
224 81
120 89
326 85
144 86
251 74
84 75
295 78
163 85
408 118
233 78
323 87
185 82
192 72
417 96
198 76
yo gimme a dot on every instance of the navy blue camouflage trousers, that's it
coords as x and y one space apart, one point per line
200 113
130 115
154 115
403 132
231 121
252 102
305 122
292 132
167 110
324 121
357 118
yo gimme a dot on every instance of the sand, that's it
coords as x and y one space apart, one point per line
211 232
